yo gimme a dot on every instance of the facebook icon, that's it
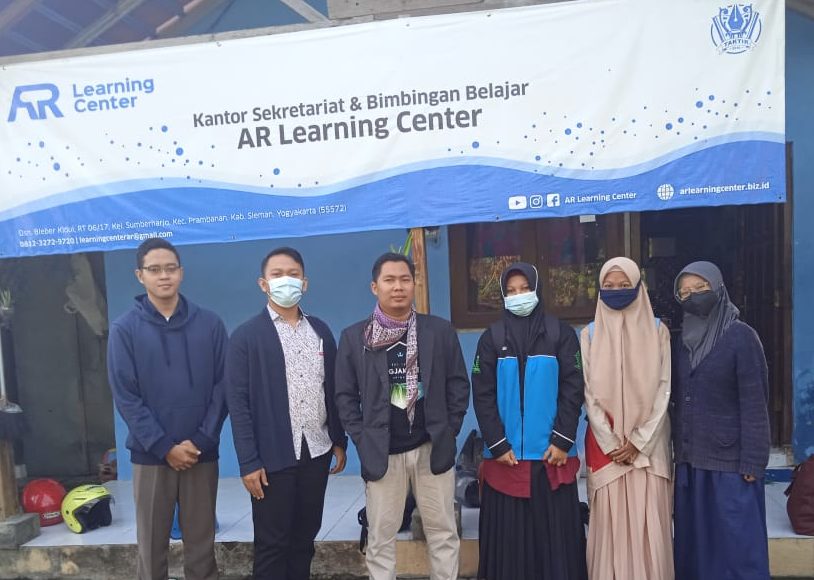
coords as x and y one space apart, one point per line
36 108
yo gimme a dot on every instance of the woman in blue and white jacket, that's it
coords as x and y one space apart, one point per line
528 390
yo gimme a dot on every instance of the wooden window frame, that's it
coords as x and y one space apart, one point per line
534 251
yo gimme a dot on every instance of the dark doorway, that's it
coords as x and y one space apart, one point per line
58 332
750 246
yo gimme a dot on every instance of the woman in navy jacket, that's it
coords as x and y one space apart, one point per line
528 390
720 435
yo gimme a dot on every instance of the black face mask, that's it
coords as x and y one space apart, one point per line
700 303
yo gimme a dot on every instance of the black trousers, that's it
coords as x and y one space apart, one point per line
288 518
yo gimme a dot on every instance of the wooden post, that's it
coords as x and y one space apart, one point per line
422 283
9 505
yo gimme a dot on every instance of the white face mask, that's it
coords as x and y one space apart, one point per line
285 291
521 304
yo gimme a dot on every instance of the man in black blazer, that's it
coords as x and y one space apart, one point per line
402 390
280 392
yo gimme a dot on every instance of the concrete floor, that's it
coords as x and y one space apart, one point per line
109 553
344 498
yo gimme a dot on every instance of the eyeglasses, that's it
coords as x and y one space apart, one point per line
169 269
685 293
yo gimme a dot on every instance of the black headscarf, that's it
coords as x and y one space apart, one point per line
522 331
698 333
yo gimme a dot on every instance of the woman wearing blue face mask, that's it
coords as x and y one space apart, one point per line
527 391
720 435
626 352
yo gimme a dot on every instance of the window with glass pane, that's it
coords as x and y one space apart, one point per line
572 254
490 248
567 252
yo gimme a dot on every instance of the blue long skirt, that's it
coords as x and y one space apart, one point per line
720 526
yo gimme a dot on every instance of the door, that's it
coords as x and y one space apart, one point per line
763 290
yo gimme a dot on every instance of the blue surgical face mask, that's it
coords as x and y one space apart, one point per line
521 304
285 291
618 299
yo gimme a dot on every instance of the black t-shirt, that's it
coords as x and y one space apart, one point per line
402 437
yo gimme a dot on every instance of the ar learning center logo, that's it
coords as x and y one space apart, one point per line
39 101
736 28
36 100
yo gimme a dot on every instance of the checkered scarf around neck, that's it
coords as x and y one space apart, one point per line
383 332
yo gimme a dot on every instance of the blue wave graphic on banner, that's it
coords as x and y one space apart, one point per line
160 184
731 173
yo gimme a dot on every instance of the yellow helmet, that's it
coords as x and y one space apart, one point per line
87 507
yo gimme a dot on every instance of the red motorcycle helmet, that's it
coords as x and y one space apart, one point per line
44 497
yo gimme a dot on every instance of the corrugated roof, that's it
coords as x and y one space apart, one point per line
30 26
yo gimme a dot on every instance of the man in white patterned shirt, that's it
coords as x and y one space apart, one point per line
280 391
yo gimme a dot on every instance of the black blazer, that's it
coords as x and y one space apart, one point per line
257 394
363 394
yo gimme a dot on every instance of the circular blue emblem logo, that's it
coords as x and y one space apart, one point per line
736 28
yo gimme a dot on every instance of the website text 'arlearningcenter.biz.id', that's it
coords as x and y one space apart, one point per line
748 186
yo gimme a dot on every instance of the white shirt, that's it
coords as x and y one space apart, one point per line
305 376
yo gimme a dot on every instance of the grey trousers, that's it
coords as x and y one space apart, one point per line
435 499
157 488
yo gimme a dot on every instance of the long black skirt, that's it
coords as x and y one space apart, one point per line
539 538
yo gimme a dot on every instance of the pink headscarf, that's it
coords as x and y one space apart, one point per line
625 355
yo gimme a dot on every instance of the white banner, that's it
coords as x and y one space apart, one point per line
575 108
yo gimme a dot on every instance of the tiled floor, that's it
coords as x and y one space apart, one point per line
777 520
345 497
